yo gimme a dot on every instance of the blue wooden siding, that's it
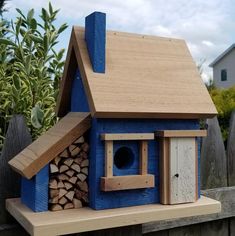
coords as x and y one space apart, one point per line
34 192
78 97
104 200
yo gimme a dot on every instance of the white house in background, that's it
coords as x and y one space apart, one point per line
224 68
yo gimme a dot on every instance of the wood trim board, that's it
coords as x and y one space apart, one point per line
181 133
127 182
143 157
86 219
109 158
129 136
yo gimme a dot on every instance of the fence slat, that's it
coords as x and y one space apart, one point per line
231 162
17 138
231 151
213 158
133 230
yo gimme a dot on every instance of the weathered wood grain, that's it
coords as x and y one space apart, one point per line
232 226
218 228
225 195
213 158
231 163
17 138
133 230
12 230
182 170
231 151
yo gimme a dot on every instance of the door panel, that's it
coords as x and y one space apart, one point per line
182 170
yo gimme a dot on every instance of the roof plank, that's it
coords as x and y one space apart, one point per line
50 144
145 77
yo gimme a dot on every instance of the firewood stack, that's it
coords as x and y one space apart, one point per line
68 186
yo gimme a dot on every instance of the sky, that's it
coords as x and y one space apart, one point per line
207 26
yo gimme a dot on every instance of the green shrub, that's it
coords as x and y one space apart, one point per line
224 100
30 70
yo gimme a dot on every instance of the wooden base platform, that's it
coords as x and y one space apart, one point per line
86 219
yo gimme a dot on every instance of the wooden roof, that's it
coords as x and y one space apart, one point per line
34 157
145 77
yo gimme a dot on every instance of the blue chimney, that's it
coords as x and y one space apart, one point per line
95 36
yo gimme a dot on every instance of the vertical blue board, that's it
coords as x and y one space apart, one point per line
78 97
34 192
104 200
95 36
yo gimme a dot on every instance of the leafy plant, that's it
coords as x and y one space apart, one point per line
2 5
30 69
224 100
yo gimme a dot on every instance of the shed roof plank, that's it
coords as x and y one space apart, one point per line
46 147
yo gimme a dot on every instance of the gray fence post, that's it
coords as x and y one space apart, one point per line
17 138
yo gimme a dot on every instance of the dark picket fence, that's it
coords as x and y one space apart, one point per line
217 181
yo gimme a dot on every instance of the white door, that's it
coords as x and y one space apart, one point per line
183 167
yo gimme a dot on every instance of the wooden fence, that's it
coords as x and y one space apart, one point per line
217 181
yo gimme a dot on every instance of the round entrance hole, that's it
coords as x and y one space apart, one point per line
123 158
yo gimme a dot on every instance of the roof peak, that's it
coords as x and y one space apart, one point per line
222 55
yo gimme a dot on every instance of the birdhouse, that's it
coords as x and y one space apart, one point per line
129 133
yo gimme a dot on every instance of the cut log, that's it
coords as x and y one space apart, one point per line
61 184
63 201
70 195
80 140
79 194
68 161
53 193
53 168
56 207
54 200
76 167
57 160
68 206
72 147
84 170
85 198
63 168
85 163
77 203
63 177
83 186
53 184
85 147
75 151
70 173
65 153
81 177
68 185
62 192
78 160
73 180
83 155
